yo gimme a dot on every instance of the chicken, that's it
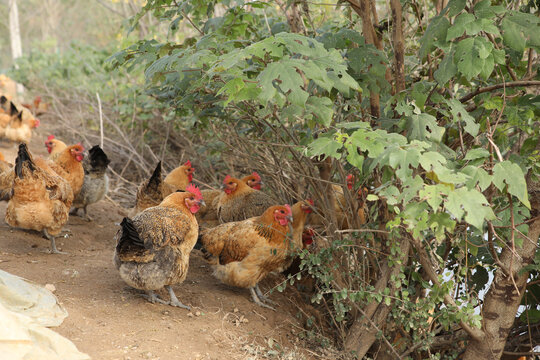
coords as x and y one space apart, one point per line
6 178
41 199
54 146
340 206
152 249
240 202
361 197
96 181
300 212
4 104
244 252
5 117
37 107
208 213
254 181
70 161
151 192
180 177
19 128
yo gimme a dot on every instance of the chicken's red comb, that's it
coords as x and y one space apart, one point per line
350 177
188 163
310 201
195 191
256 176
288 207
50 137
227 178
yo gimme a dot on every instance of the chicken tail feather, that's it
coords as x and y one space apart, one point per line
23 156
155 179
130 240
98 158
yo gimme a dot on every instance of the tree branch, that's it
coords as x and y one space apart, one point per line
479 91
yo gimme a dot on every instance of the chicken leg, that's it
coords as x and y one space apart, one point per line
264 298
174 300
54 250
154 298
258 301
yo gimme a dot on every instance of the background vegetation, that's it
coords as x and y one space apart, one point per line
433 106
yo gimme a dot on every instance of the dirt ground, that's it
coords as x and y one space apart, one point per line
109 320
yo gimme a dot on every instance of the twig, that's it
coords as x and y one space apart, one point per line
498 86
100 120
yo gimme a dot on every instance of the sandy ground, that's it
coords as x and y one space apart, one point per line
109 320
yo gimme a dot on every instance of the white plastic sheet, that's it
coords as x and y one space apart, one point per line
25 311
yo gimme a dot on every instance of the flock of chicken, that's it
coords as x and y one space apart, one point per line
240 230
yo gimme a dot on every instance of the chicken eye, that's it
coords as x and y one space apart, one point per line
192 198
283 212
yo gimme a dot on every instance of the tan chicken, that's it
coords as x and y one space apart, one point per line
6 116
41 199
300 212
151 192
37 107
70 160
341 207
152 250
6 178
244 252
54 146
19 128
180 177
96 182
208 213
240 202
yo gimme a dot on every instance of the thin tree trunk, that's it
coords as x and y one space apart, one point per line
399 46
15 36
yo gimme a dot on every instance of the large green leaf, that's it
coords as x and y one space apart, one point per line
325 146
472 204
509 173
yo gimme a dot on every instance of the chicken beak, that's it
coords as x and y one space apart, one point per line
289 218
222 186
201 202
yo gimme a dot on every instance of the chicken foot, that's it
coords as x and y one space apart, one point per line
54 250
174 300
264 298
258 301
154 298
75 212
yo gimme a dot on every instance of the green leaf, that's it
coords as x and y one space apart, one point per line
424 127
322 108
436 30
460 25
472 204
324 146
460 114
447 69
455 7
478 176
468 60
478 153
433 194
512 35
509 173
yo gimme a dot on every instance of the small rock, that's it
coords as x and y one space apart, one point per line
197 313
235 310
50 287
190 314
